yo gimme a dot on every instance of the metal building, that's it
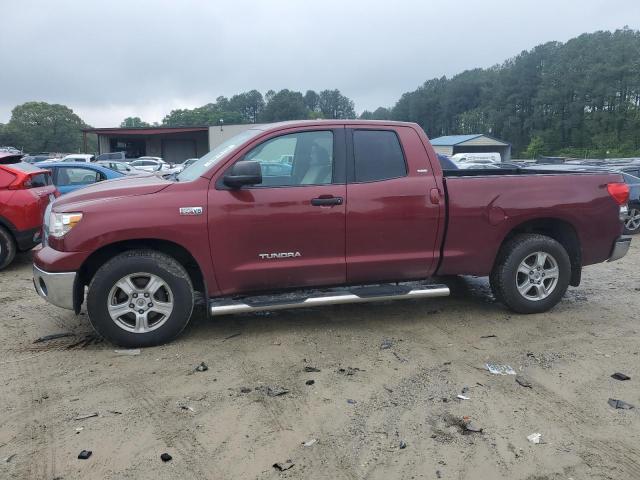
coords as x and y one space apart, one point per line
173 144
476 143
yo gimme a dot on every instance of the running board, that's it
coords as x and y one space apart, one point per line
315 298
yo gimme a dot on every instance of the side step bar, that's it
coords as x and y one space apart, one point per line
327 297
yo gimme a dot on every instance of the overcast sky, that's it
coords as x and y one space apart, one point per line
112 59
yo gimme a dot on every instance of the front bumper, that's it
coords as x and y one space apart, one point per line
620 248
56 288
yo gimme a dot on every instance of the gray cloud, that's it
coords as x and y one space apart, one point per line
108 60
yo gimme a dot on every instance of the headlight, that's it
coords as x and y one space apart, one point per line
61 223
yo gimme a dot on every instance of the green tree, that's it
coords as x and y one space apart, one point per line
133 122
333 104
40 126
535 148
380 113
284 105
312 101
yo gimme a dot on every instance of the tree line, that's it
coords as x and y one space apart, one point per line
253 107
580 98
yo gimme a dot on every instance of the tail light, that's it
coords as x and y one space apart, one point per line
30 180
619 192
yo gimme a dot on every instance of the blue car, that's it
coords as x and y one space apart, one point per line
70 176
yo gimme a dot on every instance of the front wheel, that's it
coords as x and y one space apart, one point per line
140 298
7 248
531 273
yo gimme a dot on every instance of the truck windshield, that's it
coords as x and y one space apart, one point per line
215 155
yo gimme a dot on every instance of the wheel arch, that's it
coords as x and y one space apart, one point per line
106 252
560 230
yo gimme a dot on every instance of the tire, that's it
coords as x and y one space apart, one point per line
632 224
156 285
536 288
7 248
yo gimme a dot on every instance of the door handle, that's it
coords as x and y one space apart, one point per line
326 201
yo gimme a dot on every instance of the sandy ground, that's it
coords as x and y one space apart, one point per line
405 393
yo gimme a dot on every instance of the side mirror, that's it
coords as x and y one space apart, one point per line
243 173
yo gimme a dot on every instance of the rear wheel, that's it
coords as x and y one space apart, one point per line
7 248
531 274
140 298
632 224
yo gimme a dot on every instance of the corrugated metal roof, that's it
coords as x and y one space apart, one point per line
453 139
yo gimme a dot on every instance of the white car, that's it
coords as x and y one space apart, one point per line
151 164
78 157
486 158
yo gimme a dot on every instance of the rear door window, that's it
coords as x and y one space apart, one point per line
377 156
76 176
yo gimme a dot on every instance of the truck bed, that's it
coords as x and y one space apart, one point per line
485 205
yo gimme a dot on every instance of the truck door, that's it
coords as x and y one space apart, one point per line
288 231
392 220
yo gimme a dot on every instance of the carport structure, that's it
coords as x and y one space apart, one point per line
474 143
173 144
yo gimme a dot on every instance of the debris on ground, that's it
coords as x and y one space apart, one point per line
185 407
272 391
165 457
310 442
348 371
79 429
309 382
202 367
619 404
387 388
131 351
114 412
9 458
84 454
386 343
438 474
402 445
232 336
620 376
535 438
87 415
282 466
469 426
245 390
350 401
498 369
53 336
311 369
462 397
402 359
523 382
489 336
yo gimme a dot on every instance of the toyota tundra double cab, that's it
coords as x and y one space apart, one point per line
360 211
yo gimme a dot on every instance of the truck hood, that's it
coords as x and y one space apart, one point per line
121 187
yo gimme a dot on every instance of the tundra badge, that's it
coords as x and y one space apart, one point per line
190 210
267 256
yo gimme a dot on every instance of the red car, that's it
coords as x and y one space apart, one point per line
359 211
25 192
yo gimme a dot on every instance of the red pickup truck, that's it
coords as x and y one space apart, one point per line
307 213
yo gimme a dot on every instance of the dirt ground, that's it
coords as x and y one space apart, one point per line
215 428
